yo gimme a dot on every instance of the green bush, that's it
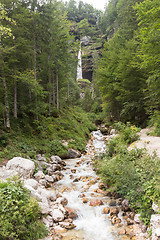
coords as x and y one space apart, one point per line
155 122
19 214
134 174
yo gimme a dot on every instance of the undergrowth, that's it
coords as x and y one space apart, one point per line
133 173
20 217
46 135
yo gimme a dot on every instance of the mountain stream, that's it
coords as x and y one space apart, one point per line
79 186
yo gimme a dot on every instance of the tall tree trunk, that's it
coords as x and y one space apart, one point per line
6 103
49 83
54 96
15 100
57 83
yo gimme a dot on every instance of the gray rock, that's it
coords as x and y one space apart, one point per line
24 167
41 158
73 153
55 160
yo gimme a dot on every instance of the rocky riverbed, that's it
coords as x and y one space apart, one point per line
75 203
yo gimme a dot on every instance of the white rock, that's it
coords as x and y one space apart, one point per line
24 167
155 208
44 207
57 215
50 195
113 131
155 225
137 218
157 232
4 173
49 178
48 221
31 182
39 175
34 193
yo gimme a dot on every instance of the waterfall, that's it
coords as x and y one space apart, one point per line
79 66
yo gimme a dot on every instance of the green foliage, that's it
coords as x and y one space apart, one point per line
155 122
46 135
133 173
19 214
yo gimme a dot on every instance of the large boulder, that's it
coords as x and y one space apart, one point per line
24 167
73 153
5 174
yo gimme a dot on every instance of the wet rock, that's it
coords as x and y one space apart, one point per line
85 200
73 153
106 210
24 167
130 231
115 220
95 202
67 225
125 205
112 202
122 231
102 186
73 170
71 213
57 215
130 215
119 201
129 221
62 201
114 211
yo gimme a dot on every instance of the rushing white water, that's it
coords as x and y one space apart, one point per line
79 66
91 224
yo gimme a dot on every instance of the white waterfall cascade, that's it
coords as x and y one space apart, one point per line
79 66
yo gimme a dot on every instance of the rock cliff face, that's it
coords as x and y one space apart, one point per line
90 52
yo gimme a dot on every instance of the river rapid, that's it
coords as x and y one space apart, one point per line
79 186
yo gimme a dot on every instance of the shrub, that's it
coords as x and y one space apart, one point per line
155 121
19 213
